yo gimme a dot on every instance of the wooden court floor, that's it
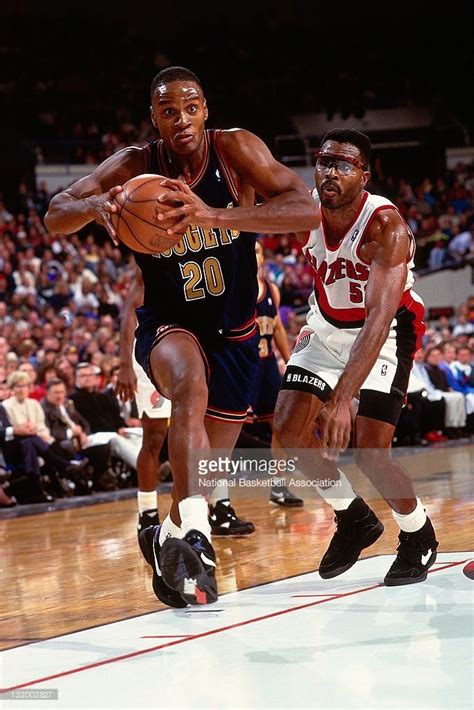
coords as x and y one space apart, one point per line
73 569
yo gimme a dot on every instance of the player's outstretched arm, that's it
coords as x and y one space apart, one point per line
92 197
127 380
387 249
288 205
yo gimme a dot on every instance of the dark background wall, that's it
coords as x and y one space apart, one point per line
260 62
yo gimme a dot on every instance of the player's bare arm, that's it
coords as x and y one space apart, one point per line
127 380
279 333
288 204
387 248
92 197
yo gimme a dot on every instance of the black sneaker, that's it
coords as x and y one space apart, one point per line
224 521
147 519
280 495
357 528
416 552
148 540
188 566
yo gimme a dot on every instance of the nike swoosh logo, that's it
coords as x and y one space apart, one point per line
425 558
207 561
157 566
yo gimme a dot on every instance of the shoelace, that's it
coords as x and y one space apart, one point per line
410 546
343 523
230 512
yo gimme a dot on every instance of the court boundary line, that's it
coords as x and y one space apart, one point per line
29 642
212 632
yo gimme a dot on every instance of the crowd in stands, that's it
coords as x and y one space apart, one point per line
60 302
439 211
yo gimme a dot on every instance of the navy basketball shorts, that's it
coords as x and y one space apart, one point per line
266 388
231 367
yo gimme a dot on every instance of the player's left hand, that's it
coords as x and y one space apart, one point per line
126 383
333 427
192 210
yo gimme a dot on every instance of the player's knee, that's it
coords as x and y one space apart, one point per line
153 442
154 432
190 393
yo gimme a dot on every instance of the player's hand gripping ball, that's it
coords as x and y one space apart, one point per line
136 222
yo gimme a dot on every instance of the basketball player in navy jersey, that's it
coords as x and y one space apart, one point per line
362 331
154 411
196 337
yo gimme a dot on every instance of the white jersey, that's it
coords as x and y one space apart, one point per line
337 313
341 273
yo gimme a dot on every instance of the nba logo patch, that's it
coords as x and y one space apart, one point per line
302 340
383 370
156 400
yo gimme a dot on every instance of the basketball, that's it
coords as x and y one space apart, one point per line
137 223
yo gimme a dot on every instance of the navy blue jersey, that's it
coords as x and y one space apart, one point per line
208 281
267 312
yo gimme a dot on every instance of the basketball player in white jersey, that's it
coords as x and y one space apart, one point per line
154 410
362 330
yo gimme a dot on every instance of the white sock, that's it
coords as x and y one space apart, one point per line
193 512
169 529
340 495
147 500
413 521
220 492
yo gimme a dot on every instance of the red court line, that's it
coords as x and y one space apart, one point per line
303 596
134 654
168 636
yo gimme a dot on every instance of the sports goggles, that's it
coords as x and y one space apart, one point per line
344 166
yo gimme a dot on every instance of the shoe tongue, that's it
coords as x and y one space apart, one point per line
358 510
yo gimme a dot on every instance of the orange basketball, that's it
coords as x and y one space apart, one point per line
137 223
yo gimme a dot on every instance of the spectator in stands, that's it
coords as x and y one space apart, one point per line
34 393
449 355
455 419
65 370
463 373
438 255
461 244
46 372
102 414
4 390
26 435
68 428
20 408
463 326
128 410
429 407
